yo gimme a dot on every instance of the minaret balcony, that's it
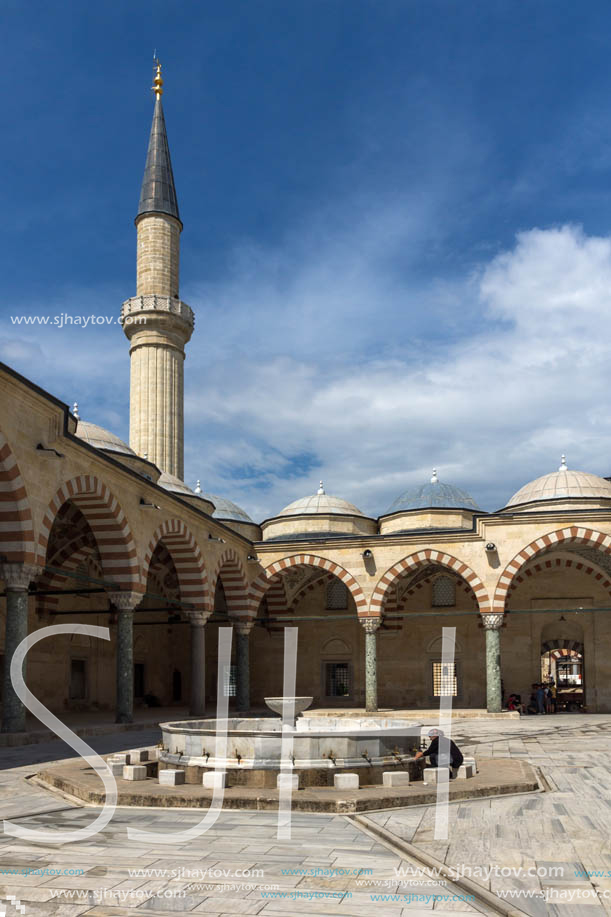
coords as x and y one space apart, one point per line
138 305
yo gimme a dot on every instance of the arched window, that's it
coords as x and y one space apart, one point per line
337 595
444 591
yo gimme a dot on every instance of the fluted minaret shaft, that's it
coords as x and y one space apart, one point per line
156 322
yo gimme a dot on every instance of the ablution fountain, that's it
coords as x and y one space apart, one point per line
250 749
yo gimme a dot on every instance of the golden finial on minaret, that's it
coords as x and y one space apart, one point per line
157 86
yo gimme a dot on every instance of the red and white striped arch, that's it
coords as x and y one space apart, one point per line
561 537
188 562
423 558
70 562
267 577
17 539
118 554
559 563
229 568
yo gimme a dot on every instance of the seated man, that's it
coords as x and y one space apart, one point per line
433 751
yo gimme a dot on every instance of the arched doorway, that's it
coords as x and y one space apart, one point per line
562 660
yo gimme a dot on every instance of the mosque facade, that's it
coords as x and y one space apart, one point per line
95 531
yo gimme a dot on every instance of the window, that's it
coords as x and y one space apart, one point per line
139 679
78 679
337 595
445 680
337 679
444 591
230 680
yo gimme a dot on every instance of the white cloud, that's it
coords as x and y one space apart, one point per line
492 407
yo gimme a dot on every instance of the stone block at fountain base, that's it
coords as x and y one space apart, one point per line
472 762
116 768
139 756
212 780
171 777
284 780
395 778
465 770
346 781
134 772
435 774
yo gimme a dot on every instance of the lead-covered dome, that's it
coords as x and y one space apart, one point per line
320 502
434 505
100 438
564 484
435 493
318 515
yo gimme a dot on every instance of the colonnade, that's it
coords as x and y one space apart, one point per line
18 578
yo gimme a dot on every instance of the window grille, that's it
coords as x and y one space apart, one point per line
230 680
337 595
444 591
445 680
337 679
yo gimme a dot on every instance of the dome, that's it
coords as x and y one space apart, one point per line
320 503
100 438
431 495
173 484
223 508
561 485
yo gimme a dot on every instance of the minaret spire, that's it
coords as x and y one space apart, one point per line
158 192
156 321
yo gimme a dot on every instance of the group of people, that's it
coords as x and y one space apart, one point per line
543 699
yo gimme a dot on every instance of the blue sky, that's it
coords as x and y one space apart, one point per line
397 232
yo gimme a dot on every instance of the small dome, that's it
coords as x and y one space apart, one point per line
563 484
100 438
226 509
321 503
173 484
431 495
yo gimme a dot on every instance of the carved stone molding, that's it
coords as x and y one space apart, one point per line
492 622
18 577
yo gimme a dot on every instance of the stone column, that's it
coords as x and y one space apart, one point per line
125 603
243 664
198 664
492 624
371 626
17 578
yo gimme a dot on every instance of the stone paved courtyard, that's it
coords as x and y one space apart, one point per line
568 827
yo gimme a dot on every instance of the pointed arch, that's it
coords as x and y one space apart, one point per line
425 558
571 535
17 539
115 542
229 568
263 582
188 562
559 563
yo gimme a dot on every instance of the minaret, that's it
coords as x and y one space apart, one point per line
157 323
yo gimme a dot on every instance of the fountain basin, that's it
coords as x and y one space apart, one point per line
254 749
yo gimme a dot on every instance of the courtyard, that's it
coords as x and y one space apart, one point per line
543 852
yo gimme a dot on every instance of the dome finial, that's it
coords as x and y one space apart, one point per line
563 466
321 489
198 487
157 86
434 479
75 410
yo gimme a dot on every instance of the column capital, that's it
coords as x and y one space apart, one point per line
197 618
492 621
371 625
18 577
243 628
125 601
